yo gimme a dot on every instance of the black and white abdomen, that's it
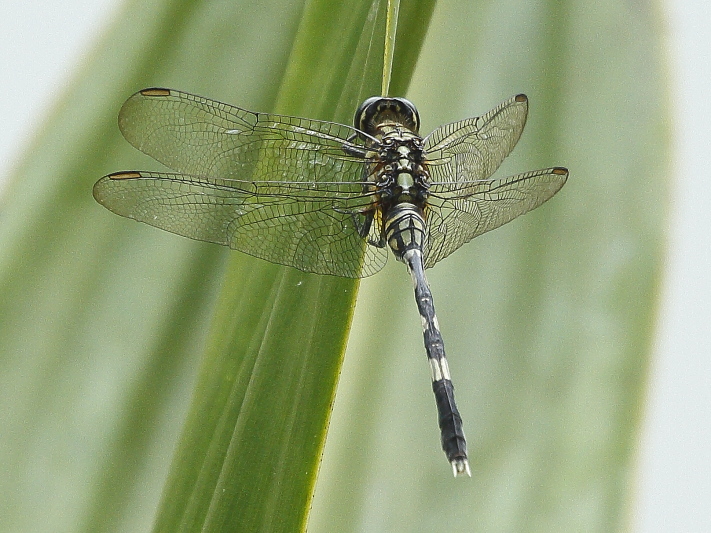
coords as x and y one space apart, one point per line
406 234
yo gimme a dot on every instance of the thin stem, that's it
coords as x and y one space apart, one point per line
390 31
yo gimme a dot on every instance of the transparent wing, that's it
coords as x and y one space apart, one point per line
201 137
316 230
473 149
458 212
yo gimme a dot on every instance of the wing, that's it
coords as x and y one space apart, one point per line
291 223
458 212
201 137
473 149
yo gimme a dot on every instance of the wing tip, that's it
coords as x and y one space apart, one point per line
103 185
521 98
132 108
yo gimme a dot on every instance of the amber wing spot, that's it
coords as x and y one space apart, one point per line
155 91
124 175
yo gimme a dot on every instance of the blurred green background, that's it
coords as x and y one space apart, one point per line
548 320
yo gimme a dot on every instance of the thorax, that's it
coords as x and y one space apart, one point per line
398 171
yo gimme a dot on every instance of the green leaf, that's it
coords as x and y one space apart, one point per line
547 321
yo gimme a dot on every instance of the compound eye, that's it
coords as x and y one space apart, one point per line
408 110
365 112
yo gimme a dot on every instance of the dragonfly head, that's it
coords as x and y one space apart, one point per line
378 109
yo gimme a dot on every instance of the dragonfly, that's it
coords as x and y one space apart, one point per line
328 198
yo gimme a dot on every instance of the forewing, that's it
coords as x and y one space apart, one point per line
473 149
459 212
201 137
313 229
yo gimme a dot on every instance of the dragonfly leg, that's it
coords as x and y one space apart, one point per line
362 222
